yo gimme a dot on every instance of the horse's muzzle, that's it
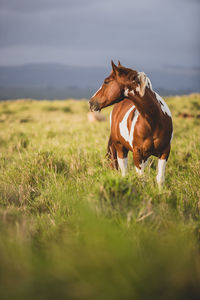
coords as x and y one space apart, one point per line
94 105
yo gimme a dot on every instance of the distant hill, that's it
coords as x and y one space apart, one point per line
54 81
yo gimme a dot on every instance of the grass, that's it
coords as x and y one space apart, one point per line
71 228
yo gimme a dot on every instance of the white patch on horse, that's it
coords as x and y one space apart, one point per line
142 166
163 105
161 171
97 91
123 126
133 127
110 118
123 164
137 88
126 91
138 171
171 137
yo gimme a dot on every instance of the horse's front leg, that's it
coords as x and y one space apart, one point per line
112 154
122 158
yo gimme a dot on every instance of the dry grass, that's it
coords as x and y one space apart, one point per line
71 228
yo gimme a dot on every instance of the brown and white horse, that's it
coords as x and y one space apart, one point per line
140 121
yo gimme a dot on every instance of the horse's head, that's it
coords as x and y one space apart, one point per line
116 85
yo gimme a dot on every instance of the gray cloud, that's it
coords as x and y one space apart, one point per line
29 6
90 32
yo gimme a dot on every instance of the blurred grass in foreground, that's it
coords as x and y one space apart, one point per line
71 228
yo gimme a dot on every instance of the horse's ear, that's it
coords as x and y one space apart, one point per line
114 67
119 64
142 78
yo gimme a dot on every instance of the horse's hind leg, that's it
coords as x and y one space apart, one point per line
112 154
162 161
139 161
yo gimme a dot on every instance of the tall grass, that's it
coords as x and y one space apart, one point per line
71 228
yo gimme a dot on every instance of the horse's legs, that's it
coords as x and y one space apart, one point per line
142 166
139 161
112 154
162 161
122 158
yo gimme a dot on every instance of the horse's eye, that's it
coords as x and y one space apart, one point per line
106 82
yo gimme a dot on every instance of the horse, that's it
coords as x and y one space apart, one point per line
140 121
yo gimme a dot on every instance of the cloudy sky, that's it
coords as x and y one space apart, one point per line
151 33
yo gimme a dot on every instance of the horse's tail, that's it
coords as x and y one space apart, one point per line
112 154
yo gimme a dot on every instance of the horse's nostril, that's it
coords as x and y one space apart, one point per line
94 105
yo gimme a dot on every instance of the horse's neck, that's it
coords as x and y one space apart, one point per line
147 105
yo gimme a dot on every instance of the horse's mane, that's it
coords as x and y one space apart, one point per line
128 73
132 75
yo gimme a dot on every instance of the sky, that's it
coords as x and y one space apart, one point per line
150 33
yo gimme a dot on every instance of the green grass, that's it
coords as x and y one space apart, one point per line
71 228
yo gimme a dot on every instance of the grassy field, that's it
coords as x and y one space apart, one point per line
71 228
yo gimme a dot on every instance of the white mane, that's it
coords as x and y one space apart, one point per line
148 83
